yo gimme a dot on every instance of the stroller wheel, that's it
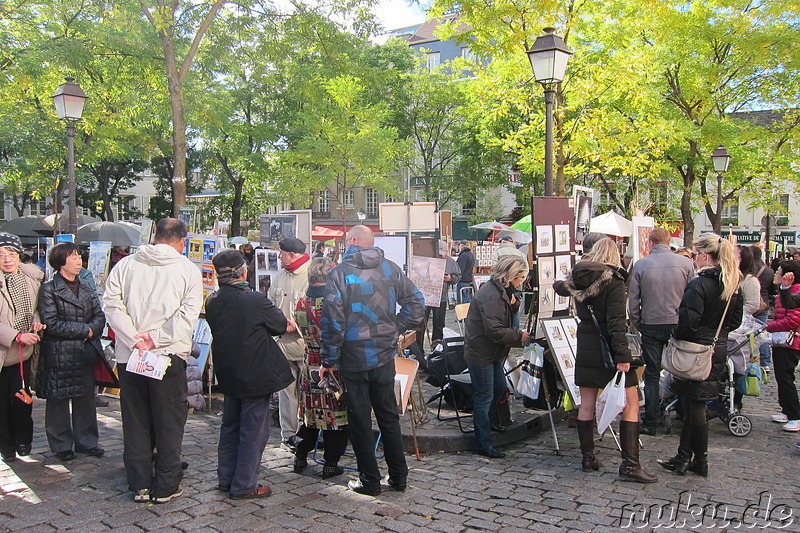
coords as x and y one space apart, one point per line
739 425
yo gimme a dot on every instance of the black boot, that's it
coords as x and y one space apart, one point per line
680 463
630 469
586 438
700 449
300 464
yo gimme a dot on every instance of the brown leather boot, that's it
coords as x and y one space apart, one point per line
586 438
630 469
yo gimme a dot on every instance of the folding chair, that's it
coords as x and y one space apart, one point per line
456 376
461 315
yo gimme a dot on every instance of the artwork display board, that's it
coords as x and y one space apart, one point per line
641 237
304 226
273 228
394 248
553 224
267 266
583 210
399 217
562 338
99 257
427 273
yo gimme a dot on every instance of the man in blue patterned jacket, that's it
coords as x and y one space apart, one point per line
360 326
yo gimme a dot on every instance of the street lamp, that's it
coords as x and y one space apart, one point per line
721 159
548 56
69 100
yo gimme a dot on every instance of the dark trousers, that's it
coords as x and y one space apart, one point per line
16 421
654 338
82 431
784 361
153 411
464 296
335 442
694 433
373 391
488 386
439 314
242 439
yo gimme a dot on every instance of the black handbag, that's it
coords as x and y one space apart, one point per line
634 344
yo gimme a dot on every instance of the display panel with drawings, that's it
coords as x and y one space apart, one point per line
562 338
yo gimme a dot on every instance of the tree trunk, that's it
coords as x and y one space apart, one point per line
178 134
686 207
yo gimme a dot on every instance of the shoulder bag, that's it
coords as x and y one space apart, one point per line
634 344
691 360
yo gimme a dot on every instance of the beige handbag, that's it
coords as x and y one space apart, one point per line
690 360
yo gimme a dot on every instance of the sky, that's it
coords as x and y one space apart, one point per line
395 14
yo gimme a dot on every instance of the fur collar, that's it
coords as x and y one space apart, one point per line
587 280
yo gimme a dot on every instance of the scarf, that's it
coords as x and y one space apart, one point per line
235 283
21 300
297 264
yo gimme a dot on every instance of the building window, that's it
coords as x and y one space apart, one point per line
730 212
783 217
468 54
420 195
38 207
122 207
389 198
2 206
350 199
432 60
467 208
372 202
324 202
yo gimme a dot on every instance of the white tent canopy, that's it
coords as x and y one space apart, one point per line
611 224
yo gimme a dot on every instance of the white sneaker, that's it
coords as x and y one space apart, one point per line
780 418
792 425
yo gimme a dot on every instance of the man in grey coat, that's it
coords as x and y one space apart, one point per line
657 283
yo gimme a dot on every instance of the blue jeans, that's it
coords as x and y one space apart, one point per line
466 297
372 391
654 338
242 439
765 350
488 385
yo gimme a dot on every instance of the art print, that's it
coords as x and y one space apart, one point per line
544 239
546 270
562 239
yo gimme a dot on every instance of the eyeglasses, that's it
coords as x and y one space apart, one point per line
12 255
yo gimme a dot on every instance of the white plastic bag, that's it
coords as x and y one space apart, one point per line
611 402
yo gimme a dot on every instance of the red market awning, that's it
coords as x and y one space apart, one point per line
322 233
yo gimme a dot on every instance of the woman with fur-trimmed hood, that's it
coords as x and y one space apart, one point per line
597 283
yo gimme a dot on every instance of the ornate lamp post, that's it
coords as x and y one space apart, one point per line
68 100
548 56
721 159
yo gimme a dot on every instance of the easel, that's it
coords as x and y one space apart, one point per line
409 367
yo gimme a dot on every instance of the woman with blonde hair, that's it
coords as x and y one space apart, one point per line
704 303
489 335
597 283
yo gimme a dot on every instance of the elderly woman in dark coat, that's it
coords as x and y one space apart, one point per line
489 334
699 315
598 284
71 345
19 324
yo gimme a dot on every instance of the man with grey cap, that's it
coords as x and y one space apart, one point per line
466 264
288 288
249 367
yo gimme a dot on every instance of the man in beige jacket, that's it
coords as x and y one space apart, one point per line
288 287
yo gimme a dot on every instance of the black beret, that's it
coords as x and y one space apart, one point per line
292 245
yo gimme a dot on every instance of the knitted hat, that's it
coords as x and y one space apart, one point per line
7 240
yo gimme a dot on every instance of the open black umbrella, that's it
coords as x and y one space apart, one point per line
117 233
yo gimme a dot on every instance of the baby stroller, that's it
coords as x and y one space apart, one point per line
740 351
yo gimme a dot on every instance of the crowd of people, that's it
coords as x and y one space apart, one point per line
324 340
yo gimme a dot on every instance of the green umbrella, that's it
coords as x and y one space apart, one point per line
523 224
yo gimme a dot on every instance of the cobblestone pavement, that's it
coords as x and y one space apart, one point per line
532 489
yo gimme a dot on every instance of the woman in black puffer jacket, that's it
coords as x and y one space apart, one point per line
598 284
71 345
699 316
